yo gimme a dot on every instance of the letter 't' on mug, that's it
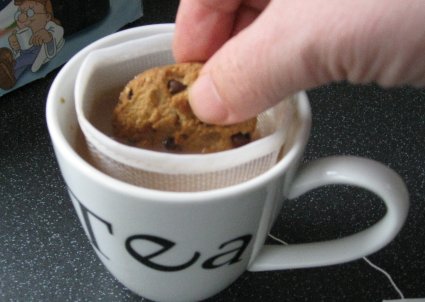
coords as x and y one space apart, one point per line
188 246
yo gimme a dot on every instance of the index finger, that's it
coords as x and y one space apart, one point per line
203 26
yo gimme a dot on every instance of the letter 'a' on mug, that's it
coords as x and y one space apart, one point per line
188 246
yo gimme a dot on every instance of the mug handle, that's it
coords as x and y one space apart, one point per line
360 172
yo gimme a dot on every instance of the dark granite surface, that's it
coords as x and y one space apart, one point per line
45 256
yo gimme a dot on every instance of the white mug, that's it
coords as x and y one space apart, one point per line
24 36
189 246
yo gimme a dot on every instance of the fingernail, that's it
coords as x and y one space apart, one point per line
206 102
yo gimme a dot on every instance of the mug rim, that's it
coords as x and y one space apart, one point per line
68 153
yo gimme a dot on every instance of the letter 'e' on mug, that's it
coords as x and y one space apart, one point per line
188 246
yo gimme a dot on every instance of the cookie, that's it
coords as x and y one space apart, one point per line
153 112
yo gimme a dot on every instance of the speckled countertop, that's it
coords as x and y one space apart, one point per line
45 256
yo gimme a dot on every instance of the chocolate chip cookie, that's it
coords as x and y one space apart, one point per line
153 112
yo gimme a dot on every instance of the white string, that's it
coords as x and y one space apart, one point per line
278 240
386 274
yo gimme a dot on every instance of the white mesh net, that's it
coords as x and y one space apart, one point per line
103 75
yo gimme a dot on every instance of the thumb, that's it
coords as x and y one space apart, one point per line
254 70
296 45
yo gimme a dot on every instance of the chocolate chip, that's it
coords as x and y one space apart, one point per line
175 86
240 139
170 144
130 94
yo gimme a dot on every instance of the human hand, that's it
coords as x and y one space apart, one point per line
260 51
40 37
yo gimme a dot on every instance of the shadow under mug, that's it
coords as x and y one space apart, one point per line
169 246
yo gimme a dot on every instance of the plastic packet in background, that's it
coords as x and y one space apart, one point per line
30 50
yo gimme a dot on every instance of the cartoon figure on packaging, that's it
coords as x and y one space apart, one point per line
38 37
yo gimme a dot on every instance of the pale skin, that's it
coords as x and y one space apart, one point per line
259 51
